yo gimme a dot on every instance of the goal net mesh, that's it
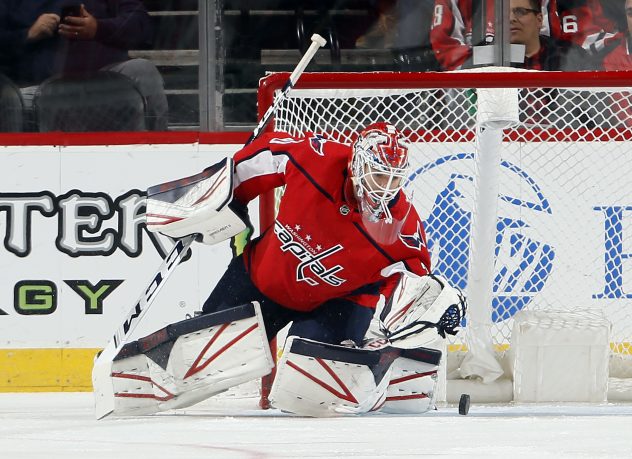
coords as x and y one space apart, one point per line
563 236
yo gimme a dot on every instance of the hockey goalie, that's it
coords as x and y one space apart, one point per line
345 265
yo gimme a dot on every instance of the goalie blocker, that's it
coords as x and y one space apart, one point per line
200 204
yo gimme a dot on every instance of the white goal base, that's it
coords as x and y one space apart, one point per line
554 356
560 356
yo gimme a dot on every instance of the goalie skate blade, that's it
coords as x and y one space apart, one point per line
464 404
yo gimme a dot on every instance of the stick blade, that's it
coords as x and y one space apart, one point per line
102 382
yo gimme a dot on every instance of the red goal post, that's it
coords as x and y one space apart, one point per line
523 180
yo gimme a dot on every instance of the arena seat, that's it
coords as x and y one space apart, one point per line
11 106
105 101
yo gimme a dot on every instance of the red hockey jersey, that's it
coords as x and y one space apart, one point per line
579 21
584 23
620 58
451 31
318 249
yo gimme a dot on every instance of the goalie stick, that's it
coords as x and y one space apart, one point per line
317 42
101 372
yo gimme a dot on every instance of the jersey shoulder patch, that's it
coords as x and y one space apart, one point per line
317 143
414 240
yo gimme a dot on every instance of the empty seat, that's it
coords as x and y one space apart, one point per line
105 101
11 106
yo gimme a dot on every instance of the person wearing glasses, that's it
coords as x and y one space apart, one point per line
582 22
542 52
451 32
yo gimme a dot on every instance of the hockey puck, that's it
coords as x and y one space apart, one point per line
464 404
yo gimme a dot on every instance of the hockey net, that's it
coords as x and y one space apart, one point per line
559 177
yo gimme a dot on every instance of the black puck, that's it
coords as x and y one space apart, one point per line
464 404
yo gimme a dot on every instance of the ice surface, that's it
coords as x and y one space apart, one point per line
62 425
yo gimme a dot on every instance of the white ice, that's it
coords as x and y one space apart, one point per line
62 425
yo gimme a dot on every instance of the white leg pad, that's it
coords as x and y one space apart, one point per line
412 388
324 380
135 394
192 360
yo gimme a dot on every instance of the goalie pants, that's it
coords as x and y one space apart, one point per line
332 322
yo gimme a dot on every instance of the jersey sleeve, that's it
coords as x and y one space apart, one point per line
418 264
370 295
259 168
584 23
370 299
130 28
447 35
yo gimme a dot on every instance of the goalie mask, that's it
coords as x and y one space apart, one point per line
379 171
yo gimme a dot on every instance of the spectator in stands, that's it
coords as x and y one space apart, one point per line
451 32
618 57
584 23
37 43
403 26
542 52
579 21
541 107
381 34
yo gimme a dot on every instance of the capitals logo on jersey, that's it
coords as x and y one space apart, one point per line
414 241
311 258
317 143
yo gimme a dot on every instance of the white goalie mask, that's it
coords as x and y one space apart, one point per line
379 171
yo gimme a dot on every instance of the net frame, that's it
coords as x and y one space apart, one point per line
383 83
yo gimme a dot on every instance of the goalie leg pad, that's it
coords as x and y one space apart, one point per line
189 361
412 388
324 380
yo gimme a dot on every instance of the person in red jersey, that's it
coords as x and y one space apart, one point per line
581 22
618 57
345 265
451 33
584 23
542 52
344 232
